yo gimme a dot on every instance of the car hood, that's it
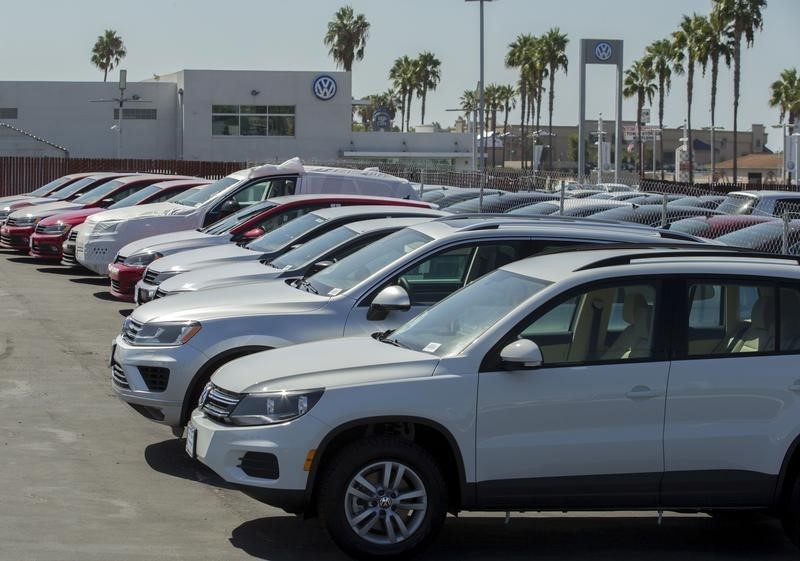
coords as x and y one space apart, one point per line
70 216
167 244
30 201
219 276
203 257
139 211
4 201
261 298
323 364
46 209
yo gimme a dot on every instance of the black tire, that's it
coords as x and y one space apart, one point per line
352 460
790 517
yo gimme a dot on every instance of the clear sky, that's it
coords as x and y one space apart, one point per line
51 40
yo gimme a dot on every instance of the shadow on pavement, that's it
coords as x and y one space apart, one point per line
97 281
107 296
557 538
27 259
59 271
169 457
126 312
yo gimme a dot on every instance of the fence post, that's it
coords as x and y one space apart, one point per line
785 236
664 211
421 182
561 199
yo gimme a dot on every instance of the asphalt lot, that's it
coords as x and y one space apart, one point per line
84 477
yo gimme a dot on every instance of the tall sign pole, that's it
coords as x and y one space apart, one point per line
599 51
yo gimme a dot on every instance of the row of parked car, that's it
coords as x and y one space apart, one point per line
336 345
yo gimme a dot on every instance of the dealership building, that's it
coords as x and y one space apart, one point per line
209 115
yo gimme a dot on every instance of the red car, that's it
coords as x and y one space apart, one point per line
240 227
43 191
18 227
48 239
712 227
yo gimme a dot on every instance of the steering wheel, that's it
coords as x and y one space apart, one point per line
402 282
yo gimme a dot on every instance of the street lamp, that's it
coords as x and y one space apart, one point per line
123 85
481 102
713 152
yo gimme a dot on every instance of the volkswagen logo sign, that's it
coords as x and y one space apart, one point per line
603 51
324 87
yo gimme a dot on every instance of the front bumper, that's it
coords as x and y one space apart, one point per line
96 254
123 280
144 292
138 374
221 447
47 246
16 237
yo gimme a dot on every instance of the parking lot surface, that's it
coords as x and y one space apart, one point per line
84 477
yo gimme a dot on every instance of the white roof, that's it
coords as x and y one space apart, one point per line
295 166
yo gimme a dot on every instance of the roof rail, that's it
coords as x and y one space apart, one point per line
553 218
680 250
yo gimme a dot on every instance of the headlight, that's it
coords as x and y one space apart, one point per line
58 228
142 259
107 227
26 221
274 407
165 334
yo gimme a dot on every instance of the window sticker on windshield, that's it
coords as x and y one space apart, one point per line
286 268
431 347
334 291
318 220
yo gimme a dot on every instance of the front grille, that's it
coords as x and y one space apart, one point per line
150 276
119 259
159 294
218 403
40 228
118 376
130 329
43 249
260 464
68 255
73 236
115 285
155 378
10 221
13 240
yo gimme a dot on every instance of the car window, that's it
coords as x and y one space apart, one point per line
730 318
789 310
599 325
279 218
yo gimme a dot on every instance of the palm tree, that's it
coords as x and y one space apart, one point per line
785 94
387 100
108 51
403 75
346 37
745 18
715 42
664 59
493 103
508 97
429 76
554 54
640 82
520 55
686 41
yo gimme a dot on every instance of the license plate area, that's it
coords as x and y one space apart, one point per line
191 434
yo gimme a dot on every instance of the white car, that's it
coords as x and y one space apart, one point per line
105 233
613 379
302 261
168 348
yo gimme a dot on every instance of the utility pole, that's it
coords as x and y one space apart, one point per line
120 101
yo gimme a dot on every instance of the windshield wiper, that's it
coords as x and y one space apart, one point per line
307 286
394 342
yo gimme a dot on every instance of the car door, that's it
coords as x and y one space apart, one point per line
584 429
432 278
733 392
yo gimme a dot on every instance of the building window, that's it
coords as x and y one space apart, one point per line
136 114
8 112
252 120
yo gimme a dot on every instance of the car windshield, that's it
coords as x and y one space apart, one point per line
754 237
206 193
737 204
72 188
286 234
136 198
310 252
47 187
345 274
692 226
229 222
452 324
98 193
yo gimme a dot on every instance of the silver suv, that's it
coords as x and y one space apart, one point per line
169 348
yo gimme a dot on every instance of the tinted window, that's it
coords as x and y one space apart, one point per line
313 249
137 197
205 194
790 312
73 188
229 222
98 193
286 234
47 187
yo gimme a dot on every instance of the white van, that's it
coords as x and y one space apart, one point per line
106 232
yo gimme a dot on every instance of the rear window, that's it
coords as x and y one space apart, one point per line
737 204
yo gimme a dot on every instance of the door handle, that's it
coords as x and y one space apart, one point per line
642 392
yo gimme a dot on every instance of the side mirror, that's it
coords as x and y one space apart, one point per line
522 354
253 233
317 267
228 207
388 299
107 202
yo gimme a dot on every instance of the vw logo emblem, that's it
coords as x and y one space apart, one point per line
602 51
324 87
790 165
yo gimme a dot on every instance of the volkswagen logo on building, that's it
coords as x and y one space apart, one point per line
603 51
324 87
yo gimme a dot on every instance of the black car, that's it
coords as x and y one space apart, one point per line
653 215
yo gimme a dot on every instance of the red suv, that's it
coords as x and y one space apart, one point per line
240 227
51 232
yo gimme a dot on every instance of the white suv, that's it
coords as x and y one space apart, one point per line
169 348
642 378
